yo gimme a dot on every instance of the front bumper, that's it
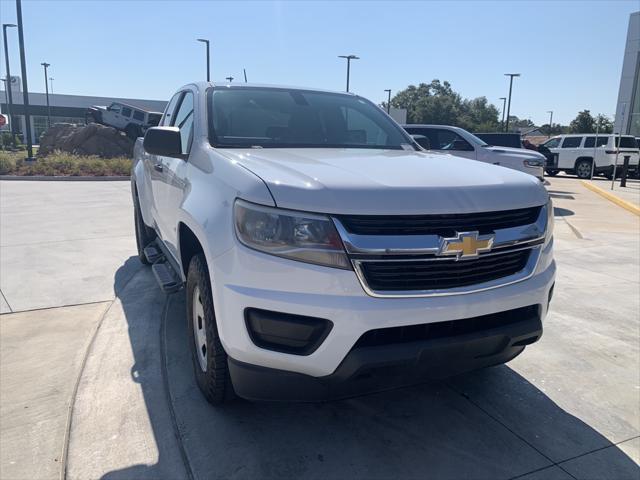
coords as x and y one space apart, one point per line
244 278
373 368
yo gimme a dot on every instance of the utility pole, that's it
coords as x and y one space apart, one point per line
504 106
46 89
388 90
7 83
349 58
510 75
25 88
245 74
550 112
205 41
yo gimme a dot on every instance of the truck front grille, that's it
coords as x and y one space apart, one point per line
444 225
396 276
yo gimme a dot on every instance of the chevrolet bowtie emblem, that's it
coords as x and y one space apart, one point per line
466 245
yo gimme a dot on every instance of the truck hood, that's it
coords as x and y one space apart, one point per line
386 182
515 152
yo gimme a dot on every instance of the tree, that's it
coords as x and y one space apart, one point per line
604 124
439 104
583 123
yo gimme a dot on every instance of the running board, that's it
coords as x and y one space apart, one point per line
167 278
152 253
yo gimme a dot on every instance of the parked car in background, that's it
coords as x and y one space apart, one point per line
512 140
134 121
325 254
575 153
459 142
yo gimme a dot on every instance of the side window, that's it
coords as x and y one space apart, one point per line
183 119
138 115
451 141
126 112
553 143
571 142
169 111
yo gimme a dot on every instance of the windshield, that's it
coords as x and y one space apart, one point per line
245 117
470 137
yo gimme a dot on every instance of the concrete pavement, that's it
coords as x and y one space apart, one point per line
567 408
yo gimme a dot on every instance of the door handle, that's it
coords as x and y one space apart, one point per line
158 167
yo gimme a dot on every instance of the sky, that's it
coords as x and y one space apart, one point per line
569 54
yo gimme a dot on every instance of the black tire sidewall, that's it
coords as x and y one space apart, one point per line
215 383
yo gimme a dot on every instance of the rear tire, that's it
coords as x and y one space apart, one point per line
583 169
144 235
209 358
552 173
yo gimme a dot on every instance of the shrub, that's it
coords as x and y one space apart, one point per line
63 164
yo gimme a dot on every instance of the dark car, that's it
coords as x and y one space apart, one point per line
512 140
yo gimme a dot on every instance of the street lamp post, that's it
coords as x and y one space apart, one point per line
349 58
550 112
205 41
25 88
244 70
504 106
46 89
7 83
510 75
388 90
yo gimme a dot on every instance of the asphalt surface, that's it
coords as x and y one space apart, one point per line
104 389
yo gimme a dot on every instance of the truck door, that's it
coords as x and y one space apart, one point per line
174 179
155 171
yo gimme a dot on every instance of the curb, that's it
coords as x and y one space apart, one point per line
613 198
43 178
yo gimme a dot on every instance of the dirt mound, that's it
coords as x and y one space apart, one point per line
92 139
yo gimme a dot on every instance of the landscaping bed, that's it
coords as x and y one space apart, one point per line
60 164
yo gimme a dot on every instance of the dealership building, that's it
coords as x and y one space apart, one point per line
64 108
628 106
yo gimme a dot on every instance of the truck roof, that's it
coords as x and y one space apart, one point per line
205 85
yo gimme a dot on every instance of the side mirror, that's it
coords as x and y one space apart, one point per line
163 141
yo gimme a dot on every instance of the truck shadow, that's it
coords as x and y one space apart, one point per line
487 424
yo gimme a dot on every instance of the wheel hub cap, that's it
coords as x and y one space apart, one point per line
199 329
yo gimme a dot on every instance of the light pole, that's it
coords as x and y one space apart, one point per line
230 78
349 58
46 89
550 112
504 106
510 75
244 70
25 88
7 83
388 90
205 41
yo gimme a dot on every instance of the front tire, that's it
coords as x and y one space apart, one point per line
583 169
132 131
551 172
144 235
209 358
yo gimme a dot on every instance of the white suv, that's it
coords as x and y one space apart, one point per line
460 143
324 254
132 120
575 153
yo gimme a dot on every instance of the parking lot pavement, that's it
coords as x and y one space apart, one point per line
567 408
62 242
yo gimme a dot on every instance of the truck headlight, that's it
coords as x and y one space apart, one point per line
548 234
533 163
305 237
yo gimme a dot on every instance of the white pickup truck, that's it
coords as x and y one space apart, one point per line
324 254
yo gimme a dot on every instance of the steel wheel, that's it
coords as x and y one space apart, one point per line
583 169
199 329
